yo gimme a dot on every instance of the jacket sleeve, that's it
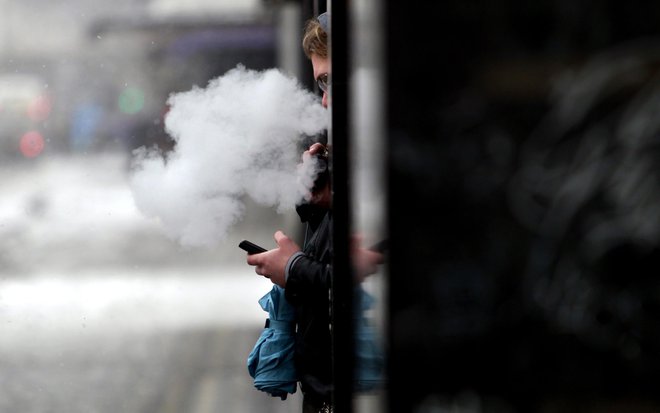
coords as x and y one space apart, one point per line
307 278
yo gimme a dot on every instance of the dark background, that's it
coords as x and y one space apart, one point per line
524 166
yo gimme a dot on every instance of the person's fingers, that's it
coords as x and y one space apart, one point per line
316 148
260 271
378 257
279 236
356 242
253 259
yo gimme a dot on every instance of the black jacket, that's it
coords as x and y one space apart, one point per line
308 290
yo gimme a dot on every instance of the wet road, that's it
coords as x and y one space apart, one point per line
167 346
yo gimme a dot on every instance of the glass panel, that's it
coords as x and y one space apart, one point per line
369 197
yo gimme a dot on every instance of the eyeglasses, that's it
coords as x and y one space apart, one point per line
323 82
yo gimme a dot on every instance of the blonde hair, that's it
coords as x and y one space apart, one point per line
315 39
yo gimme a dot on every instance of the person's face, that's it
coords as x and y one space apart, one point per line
321 66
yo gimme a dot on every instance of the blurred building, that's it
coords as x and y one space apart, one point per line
107 69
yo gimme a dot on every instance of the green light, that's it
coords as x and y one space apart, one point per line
131 100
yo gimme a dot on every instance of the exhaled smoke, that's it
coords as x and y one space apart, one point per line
238 136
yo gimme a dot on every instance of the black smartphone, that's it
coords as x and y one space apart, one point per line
251 247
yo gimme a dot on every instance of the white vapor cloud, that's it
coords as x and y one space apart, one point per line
238 136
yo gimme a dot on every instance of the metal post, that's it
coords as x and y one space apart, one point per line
342 281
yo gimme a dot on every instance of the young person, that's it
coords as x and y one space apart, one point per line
305 273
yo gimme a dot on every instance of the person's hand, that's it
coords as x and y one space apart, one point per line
271 264
315 149
365 261
321 195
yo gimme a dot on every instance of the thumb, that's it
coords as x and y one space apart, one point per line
279 237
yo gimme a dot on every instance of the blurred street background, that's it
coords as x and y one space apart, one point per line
99 311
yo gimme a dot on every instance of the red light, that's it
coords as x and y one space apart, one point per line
32 143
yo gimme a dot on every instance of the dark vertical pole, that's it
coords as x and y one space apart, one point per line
342 292
309 9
